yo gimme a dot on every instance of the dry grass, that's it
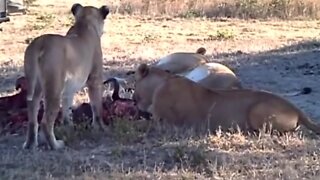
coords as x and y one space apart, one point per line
152 152
283 9
142 150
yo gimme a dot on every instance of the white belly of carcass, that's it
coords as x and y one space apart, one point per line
197 74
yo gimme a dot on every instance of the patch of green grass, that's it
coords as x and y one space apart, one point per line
43 21
45 17
29 2
126 131
192 13
70 20
38 26
193 157
149 38
246 9
81 130
220 35
225 34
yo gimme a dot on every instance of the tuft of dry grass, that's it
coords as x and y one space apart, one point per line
253 9
166 153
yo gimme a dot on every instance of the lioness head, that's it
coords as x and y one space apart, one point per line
148 79
90 14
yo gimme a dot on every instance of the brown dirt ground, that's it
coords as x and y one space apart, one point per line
277 56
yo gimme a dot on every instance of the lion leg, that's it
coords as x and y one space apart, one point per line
155 115
51 109
67 101
152 111
95 97
33 126
265 116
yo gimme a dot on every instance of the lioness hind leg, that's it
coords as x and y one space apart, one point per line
270 116
95 97
51 109
33 126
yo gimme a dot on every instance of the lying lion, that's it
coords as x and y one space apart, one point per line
181 62
180 101
195 67
57 66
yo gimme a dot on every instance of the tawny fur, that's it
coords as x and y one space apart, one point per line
57 66
195 66
179 101
188 64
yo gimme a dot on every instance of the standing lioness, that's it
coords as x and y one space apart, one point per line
181 101
57 66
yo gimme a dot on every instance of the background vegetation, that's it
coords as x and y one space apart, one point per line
283 9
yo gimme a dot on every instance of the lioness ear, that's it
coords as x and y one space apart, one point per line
143 70
104 11
75 8
201 50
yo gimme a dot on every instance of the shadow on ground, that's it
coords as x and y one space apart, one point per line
144 149
9 74
292 64
286 69
289 68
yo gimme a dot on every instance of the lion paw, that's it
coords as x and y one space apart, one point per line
58 144
29 145
98 126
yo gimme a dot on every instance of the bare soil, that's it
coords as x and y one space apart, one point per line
278 56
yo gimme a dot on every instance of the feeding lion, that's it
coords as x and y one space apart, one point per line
180 101
57 66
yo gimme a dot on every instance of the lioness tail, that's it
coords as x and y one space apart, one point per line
31 65
303 91
306 121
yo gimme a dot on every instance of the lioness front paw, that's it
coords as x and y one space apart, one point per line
29 145
95 125
58 144
99 126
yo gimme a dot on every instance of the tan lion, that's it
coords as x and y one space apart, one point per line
180 101
182 62
57 66
195 66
